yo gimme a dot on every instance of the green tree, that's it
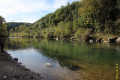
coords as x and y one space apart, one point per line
11 31
16 29
3 31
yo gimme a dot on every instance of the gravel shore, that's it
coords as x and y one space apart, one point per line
11 70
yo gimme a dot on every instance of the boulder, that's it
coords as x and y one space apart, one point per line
16 59
91 41
118 40
57 38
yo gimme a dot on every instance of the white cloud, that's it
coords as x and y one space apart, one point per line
10 8
23 19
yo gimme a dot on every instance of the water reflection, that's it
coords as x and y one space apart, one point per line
70 60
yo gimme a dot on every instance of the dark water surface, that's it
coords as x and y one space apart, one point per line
70 60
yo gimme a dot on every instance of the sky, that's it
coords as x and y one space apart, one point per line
29 10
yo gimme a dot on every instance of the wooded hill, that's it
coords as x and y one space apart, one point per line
78 19
12 25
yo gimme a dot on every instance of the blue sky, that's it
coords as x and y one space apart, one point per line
28 10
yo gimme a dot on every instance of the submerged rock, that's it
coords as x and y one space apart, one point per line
48 64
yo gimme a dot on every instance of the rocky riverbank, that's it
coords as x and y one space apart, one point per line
92 39
10 69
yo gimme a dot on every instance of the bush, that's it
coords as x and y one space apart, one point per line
82 33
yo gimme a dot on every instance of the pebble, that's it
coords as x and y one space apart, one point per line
4 77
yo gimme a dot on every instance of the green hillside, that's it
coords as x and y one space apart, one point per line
12 25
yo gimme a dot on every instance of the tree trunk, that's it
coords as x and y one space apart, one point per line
1 44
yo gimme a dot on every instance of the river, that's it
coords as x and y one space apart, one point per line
69 60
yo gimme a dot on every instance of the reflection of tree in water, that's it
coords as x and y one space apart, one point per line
73 55
18 43
82 56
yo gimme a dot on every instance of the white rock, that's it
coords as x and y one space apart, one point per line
91 41
48 64
118 40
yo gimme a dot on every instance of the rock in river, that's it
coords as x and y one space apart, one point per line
91 41
48 64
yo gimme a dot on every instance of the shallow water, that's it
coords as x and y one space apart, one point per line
70 60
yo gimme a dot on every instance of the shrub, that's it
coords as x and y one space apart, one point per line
82 33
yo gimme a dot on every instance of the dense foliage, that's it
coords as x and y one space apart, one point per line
78 19
3 27
3 32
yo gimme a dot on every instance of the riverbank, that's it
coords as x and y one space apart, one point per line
91 38
11 70
94 38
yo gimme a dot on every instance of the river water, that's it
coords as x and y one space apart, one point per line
69 60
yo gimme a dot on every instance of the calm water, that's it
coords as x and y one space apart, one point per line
70 60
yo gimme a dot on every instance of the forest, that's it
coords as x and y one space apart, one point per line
79 19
